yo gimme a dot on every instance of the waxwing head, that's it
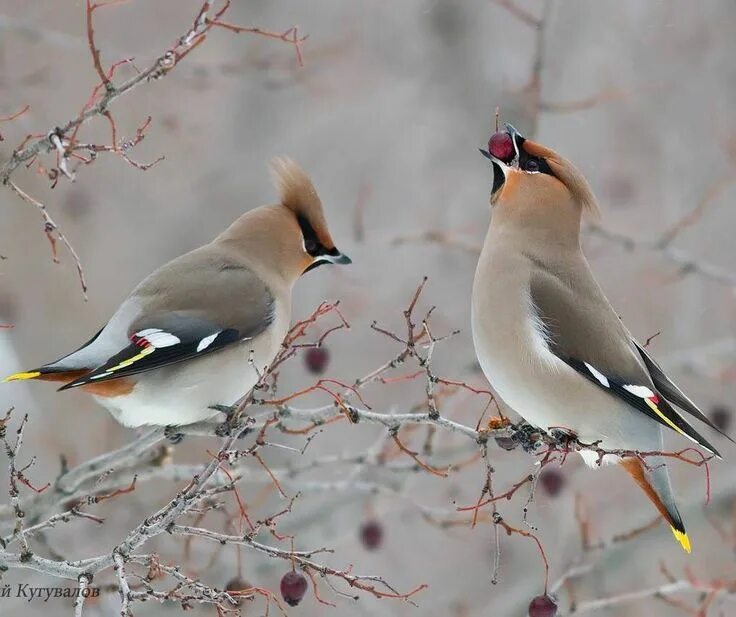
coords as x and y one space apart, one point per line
300 197
286 239
533 184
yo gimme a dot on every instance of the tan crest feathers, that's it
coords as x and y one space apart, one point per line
298 194
296 190
569 175
576 183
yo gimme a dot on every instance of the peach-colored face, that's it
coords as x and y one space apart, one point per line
533 176
533 188
534 192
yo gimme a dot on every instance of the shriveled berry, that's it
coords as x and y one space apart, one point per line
293 587
721 416
552 481
237 584
506 443
542 606
371 534
501 146
316 360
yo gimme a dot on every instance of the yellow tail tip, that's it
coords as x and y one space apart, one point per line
20 376
682 538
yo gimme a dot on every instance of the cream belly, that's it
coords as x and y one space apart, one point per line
183 393
544 390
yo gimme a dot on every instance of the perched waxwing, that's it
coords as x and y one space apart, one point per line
548 340
194 335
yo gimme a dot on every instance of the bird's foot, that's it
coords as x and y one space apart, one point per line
172 434
226 409
562 437
232 420
529 437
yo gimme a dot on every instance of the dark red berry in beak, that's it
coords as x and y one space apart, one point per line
501 146
371 534
316 360
293 587
542 606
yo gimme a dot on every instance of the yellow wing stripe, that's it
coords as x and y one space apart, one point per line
19 376
669 422
139 356
682 538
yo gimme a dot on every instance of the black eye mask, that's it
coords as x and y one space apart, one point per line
527 162
312 244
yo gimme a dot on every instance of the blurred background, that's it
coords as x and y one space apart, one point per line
387 115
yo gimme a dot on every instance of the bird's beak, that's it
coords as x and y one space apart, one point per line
518 139
339 258
511 130
499 172
333 257
500 169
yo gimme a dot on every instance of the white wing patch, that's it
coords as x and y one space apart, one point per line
539 338
207 341
598 375
158 338
640 391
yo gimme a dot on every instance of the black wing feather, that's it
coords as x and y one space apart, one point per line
140 357
670 390
616 388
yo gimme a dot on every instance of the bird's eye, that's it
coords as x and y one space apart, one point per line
310 246
532 165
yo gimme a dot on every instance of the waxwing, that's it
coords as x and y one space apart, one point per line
194 336
546 337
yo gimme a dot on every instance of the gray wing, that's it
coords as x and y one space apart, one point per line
213 283
586 333
193 306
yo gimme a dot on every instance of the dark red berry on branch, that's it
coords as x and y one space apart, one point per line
371 534
720 415
552 482
293 587
237 584
542 606
316 360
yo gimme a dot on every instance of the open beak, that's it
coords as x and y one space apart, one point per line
515 135
499 172
333 257
499 167
338 258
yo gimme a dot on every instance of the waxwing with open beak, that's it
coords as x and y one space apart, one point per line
547 338
194 335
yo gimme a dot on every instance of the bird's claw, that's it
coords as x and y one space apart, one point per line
173 435
528 437
226 409
231 421
562 437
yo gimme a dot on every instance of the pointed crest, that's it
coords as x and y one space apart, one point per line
297 193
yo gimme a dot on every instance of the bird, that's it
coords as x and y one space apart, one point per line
547 338
195 335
